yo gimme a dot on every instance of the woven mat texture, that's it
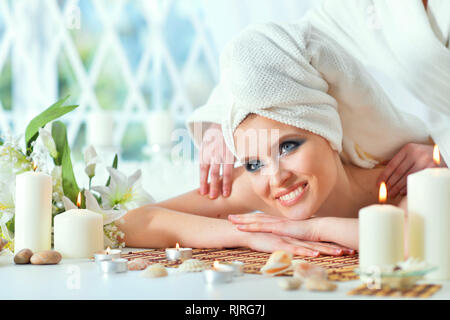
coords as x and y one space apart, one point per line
339 268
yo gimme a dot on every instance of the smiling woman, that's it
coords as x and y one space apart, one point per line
308 165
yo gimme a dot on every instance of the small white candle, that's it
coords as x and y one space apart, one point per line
177 253
159 128
219 273
78 233
381 235
33 212
107 254
429 219
100 128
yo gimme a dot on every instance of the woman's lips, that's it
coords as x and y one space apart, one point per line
294 196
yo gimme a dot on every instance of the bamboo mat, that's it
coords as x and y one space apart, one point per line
339 268
417 291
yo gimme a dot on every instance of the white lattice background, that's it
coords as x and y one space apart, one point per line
129 56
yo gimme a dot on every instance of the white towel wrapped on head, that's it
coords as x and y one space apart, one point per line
295 74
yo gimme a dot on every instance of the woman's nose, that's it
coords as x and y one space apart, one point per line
279 176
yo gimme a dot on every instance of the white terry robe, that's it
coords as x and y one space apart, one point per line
402 40
296 74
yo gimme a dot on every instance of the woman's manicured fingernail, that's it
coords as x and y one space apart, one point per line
226 193
338 251
316 253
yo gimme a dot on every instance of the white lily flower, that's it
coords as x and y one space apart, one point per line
47 140
109 216
90 159
123 192
7 206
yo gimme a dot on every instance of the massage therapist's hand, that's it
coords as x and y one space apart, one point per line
411 158
213 154
305 232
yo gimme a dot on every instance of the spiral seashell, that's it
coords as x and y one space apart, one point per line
278 263
154 271
137 264
192 265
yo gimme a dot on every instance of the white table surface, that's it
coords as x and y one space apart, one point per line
81 279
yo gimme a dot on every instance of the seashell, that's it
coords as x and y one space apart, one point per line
137 264
278 263
319 284
154 271
304 270
289 283
192 265
3 243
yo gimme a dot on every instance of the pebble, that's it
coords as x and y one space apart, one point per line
23 256
46 257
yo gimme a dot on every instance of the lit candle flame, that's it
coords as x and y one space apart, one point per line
108 250
382 196
177 246
34 166
216 265
79 200
436 155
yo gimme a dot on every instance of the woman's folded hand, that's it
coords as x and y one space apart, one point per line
299 237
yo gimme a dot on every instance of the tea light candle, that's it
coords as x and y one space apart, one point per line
78 233
114 265
220 273
237 266
33 212
381 234
107 254
429 218
177 253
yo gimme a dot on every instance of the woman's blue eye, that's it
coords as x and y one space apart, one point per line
253 165
289 146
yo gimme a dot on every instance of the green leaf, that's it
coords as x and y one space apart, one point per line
55 111
114 165
70 186
60 137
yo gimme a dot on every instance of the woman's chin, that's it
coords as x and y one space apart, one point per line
299 212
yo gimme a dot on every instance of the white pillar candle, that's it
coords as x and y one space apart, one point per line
381 235
100 128
159 128
78 233
429 219
33 212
